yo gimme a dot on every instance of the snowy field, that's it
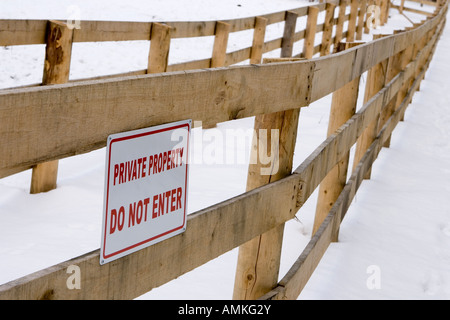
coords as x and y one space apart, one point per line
394 242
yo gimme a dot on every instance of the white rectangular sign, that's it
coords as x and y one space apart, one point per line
145 188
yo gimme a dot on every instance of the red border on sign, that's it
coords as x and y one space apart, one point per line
107 193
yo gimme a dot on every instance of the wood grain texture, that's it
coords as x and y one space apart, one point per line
220 44
310 32
353 19
258 40
159 48
287 43
47 123
340 23
327 29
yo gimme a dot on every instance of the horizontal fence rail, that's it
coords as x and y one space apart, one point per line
28 32
51 122
213 95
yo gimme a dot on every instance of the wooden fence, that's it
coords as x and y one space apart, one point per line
40 124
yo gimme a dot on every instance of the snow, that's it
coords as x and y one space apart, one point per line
394 242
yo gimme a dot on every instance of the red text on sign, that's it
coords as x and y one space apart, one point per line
163 203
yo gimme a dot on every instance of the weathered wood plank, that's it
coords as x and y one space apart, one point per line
189 65
93 31
327 29
394 67
272 45
258 40
287 44
383 12
310 32
340 23
19 32
220 44
24 32
79 116
376 79
352 22
259 259
202 241
237 56
361 20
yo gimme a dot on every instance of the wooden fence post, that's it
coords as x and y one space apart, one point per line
219 52
287 43
361 20
407 58
388 6
258 40
384 11
352 22
415 49
58 53
340 24
377 13
343 107
327 29
402 4
159 48
310 32
374 83
421 63
259 259
394 67
220 44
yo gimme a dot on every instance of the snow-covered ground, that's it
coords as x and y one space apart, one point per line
394 241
